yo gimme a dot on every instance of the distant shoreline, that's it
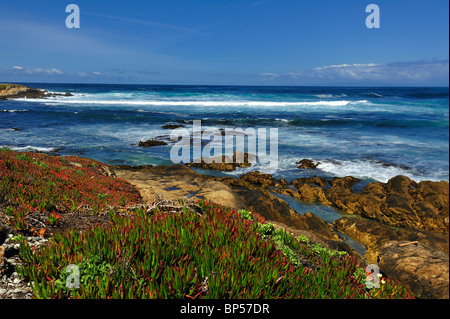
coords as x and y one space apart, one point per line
17 91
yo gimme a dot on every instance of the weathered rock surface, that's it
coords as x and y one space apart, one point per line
424 271
420 267
399 202
259 179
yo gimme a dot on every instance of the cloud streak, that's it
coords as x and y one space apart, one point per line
151 23
402 73
19 70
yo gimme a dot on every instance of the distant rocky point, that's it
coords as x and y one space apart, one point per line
15 91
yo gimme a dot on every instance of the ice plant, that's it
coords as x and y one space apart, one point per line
211 253
51 184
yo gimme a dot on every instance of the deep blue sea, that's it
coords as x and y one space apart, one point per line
366 132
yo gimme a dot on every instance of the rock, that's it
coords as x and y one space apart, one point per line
225 163
151 143
310 194
9 91
346 182
220 163
172 126
425 272
314 181
307 164
4 231
281 183
256 178
426 260
399 202
14 91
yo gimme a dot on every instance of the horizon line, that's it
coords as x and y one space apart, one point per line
249 85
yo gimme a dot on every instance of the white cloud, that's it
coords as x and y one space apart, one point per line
96 73
269 76
35 71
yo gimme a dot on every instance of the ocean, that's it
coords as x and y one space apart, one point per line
373 133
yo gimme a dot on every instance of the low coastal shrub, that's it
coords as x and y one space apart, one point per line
212 253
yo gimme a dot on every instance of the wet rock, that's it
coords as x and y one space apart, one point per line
151 143
307 164
172 126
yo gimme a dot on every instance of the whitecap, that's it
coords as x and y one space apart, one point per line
31 148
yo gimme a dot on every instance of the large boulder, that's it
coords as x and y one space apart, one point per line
424 271
418 259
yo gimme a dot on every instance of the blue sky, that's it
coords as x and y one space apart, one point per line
242 42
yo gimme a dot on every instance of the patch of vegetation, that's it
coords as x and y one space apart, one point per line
36 182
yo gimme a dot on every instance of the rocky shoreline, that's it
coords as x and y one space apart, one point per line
15 91
403 224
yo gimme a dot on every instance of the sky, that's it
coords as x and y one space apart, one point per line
226 42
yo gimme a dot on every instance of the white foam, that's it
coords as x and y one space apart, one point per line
330 96
31 148
13 111
198 103
369 169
